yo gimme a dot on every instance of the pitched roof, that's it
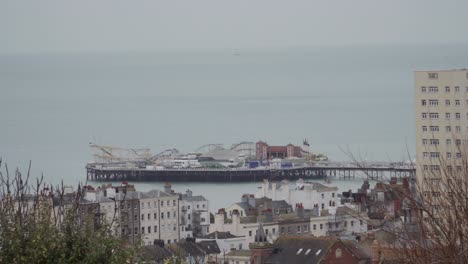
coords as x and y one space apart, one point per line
209 247
155 252
185 249
240 253
280 204
299 249
219 235
196 198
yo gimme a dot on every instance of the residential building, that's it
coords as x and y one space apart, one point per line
309 194
140 217
441 119
251 206
226 241
194 214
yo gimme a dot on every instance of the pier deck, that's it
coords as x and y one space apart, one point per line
320 171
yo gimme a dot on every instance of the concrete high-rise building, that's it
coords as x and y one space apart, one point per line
441 119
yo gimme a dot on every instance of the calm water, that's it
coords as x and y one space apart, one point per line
52 106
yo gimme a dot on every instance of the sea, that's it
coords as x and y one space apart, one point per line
344 100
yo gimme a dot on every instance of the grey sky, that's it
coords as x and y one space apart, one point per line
115 25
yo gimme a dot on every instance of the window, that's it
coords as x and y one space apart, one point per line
162 203
423 102
435 167
423 89
188 207
305 228
449 155
434 128
433 89
174 214
168 215
149 205
273 230
434 141
188 216
424 115
142 229
162 215
425 167
323 206
434 115
447 89
298 229
457 102
458 155
448 129
136 218
457 89
289 229
434 154
448 142
136 230
424 141
142 217
323 195
168 202
425 154
333 195
321 226
142 205
198 206
447 115
458 142
155 216
424 128
250 233
458 129
447 102
266 231
149 216
314 227
361 222
155 229
457 115
432 75
174 202
203 205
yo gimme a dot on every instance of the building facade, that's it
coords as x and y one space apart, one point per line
309 194
441 119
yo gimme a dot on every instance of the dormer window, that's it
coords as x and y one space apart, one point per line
433 75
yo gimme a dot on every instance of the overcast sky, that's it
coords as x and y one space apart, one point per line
140 25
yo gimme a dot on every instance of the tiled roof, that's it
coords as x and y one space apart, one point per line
209 247
299 249
155 252
219 235
240 253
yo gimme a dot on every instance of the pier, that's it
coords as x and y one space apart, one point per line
337 170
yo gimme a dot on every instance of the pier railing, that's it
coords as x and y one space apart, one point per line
342 170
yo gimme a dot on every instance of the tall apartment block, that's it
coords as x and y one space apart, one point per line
441 119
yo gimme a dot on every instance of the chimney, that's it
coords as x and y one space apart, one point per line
189 193
393 180
168 188
406 186
375 252
299 210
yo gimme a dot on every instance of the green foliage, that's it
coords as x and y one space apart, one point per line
41 228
